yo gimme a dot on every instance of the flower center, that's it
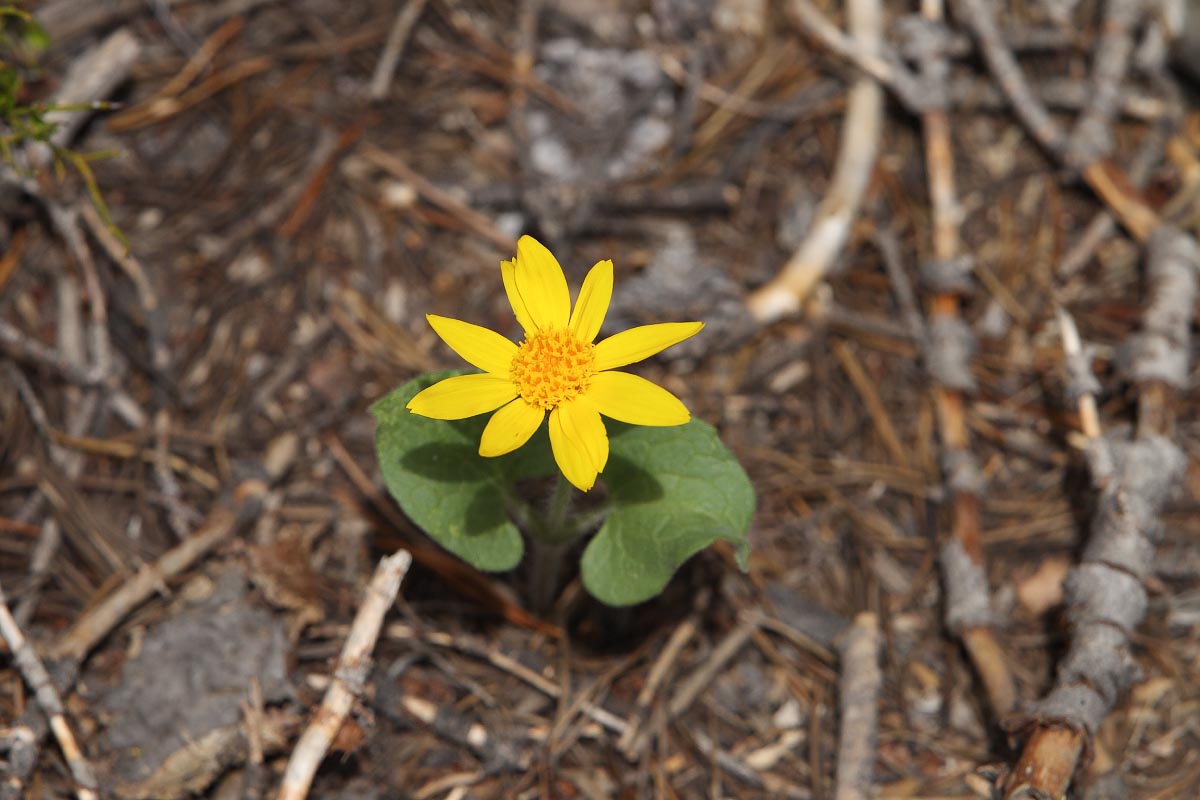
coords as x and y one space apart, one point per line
552 367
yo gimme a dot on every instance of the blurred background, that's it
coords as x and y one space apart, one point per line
205 283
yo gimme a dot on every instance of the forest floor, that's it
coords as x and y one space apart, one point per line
190 504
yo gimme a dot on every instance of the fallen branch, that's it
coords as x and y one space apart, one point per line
830 228
878 62
90 79
222 523
381 79
1091 138
859 689
948 348
1106 593
1105 178
354 664
38 679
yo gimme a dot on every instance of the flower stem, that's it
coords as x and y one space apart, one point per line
550 538
545 568
555 528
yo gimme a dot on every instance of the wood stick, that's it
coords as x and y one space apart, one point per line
948 351
20 347
353 667
472 219
1104 177
858 699
658 673
155 311
406 18
1091 139
1082 383
195 66
90 79
830 229
690 686
506 663
1106 593
38 679
116 448
865 387
221 524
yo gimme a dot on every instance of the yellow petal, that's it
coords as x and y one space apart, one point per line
593 300
508 274
463 396
579 441
644 341
542 285
478 346
510 427
635 400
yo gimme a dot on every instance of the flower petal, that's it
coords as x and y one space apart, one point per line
463 396
579 441
641 342
478 346
508 273
593 300
542 285
510 427
629 398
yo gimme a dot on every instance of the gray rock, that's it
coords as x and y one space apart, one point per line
190 676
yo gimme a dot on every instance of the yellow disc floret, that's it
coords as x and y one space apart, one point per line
552 366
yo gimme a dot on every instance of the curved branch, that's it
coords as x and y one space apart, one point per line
786 293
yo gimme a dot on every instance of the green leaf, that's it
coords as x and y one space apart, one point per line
434 471
675 491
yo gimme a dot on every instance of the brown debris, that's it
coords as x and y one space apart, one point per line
300 183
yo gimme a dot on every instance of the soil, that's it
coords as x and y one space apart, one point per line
287 233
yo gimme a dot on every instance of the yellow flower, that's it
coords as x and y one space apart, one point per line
556 368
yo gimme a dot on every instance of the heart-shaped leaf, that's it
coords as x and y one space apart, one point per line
674 491
434 471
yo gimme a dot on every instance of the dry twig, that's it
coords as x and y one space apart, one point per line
860 685
693 684
506 663
830 229
1106 593
381 79
353 667
38 678
1105 178
1091 138
658 673
470 218
222 523
1082 384
949 345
